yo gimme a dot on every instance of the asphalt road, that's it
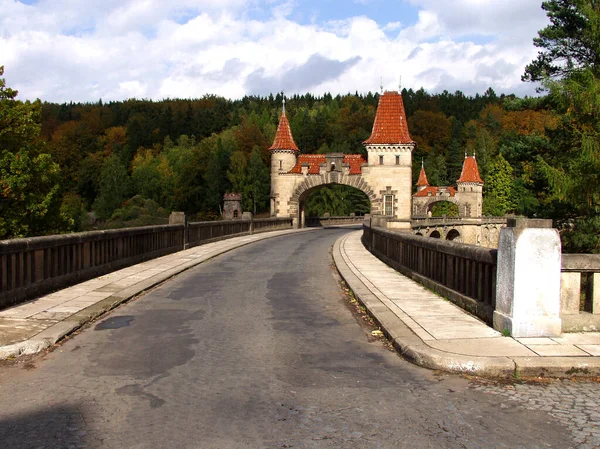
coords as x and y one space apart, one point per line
253 349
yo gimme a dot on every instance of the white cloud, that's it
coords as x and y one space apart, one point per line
63 50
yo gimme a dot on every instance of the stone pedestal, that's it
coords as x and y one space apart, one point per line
528 279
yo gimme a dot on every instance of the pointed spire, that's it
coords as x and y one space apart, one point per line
422 182
283 137
390 125
470 171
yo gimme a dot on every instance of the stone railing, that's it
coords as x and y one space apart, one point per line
34 266
423 222
526 288
465 274
580 292
312 222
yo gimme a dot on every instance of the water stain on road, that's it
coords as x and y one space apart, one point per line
161 340
138 390
115 322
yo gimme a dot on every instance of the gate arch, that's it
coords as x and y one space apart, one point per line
314 182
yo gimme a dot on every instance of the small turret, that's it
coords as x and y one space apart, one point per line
422 183
283 158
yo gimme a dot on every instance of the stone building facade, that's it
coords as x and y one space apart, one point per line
232 206
385 177
467 195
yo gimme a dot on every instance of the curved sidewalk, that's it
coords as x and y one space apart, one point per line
434 333
32 326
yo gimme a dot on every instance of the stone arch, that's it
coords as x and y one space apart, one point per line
435 234
418 233
453 235
312 182
431 203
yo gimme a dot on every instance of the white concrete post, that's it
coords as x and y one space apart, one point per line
528 279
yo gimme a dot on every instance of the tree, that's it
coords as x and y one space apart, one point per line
114 187
570 42
258 181
28 194
29 181
497 197
238 172
19 121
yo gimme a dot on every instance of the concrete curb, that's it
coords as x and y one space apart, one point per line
416 350
53 334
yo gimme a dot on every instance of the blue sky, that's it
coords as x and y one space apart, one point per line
82 50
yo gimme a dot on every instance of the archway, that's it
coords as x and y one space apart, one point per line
435 235
442 208
454 235
331 200
314 183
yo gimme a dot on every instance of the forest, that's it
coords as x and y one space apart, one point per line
132 162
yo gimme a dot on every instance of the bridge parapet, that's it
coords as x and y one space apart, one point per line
483 231
469 275
580 292
465 274
34 266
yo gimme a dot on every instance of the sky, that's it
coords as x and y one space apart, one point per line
86 50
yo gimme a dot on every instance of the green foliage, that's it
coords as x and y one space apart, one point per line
444 208
257 189
336 200
584 236
498 194
137 211
19 121
570 42
114 187
29 181
29 194
72 212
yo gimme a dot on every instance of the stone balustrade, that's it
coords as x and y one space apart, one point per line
580 292
332 221
527 288
465 274
34 266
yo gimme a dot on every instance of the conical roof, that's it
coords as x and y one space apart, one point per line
470 171
422 182
283 137
390 125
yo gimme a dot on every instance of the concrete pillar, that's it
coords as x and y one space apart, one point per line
528 279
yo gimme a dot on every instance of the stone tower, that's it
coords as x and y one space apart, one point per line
389 150
470 189
283 159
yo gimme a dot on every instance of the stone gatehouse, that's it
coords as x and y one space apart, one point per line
385 177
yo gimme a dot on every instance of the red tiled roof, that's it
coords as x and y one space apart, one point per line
390 125
470 171
315 160
283 138
355 161
433 191
312 160
422 178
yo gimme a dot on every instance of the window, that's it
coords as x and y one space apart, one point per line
280 165
397 160
388 205
235 214
380 160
